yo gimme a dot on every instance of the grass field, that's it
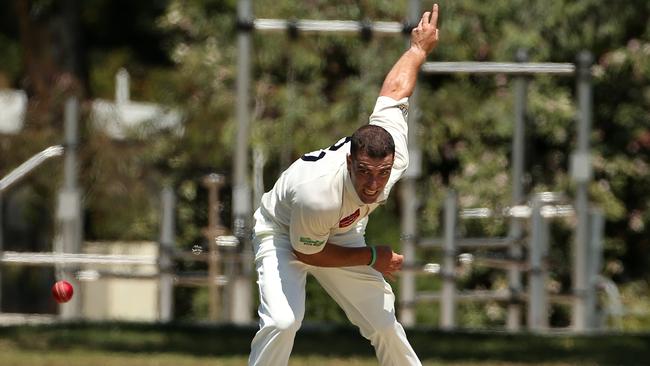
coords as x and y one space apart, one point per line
113 344
95 358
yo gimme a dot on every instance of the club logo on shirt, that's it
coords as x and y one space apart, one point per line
347 221
309 241
404 109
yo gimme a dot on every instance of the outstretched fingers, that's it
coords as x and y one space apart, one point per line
425 18
434 16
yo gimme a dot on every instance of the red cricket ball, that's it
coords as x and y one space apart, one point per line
62 291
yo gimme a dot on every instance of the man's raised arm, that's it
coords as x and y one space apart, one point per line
401 79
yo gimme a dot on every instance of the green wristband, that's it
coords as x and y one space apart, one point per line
373 256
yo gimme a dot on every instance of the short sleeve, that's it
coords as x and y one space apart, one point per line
391 115
308 229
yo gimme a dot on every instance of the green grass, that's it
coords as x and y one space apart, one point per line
115 344
13 357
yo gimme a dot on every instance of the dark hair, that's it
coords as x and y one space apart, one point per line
372 140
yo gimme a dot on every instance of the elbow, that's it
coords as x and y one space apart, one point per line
315 259
305 258
301 257
396 90
390 87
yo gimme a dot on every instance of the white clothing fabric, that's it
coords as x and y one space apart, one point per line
363 294
312 203
314 200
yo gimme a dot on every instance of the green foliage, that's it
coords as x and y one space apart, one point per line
312 90
11 60
635 316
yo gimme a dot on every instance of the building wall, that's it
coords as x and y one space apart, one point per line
132 299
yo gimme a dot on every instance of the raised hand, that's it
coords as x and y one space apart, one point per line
425 36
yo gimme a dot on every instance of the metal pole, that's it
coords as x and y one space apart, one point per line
213 183
75 259
408 196
11 179
69 206
498 68
517 160
581 174
327 26
122 89
241 198
537 304
595 261
167 243
259 159
448 302
289 120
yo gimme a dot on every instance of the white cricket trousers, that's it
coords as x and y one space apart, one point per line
363 294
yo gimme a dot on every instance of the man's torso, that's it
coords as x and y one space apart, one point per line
319 184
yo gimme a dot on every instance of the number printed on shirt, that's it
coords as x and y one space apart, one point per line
321 154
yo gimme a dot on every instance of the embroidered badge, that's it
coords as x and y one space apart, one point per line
312 242
347 221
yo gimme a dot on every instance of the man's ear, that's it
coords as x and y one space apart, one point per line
348 158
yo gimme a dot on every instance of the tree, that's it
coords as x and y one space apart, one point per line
305 86
309 91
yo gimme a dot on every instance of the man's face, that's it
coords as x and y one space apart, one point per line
369 175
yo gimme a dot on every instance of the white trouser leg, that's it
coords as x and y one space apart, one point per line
368 301
281 282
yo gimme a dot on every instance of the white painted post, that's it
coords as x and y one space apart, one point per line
448 301
581 172
122 87
409 200
537 298
167 243
241 195
513 321
597 226
69 207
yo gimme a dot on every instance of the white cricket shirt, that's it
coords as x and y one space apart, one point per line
314 201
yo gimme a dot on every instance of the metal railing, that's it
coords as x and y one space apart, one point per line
517 68
27 167
327 26
542 208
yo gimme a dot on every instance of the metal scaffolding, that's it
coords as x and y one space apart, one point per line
543 207
521 70
589 226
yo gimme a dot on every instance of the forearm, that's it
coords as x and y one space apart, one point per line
334 255
400 81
